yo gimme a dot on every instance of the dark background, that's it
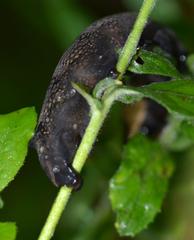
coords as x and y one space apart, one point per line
33 36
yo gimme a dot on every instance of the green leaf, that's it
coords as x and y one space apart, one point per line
153 63
178 135
175 95
62 20
190 63
16 129
139 186
66 19
1 203
166 11
188 130
8 231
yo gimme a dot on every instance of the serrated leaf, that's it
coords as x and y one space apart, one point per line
153 63
8 231
16 129
177 96
139 186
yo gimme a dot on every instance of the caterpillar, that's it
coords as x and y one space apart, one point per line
92 57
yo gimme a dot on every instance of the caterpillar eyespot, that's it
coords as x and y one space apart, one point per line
92 57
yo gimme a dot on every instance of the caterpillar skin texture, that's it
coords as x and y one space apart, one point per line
65 113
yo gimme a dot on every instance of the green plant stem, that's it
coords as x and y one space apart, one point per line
130 46
84 149
55 213
97 119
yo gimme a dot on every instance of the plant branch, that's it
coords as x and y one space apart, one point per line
55 213
130 46
82 153
97 118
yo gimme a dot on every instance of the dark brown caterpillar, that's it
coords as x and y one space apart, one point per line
91 58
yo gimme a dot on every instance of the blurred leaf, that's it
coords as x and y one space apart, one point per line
8 231
67 19
16 129
62 20
190 63
165 11
177 218
178 135
1 203
140 184
175 95
188 129
153 63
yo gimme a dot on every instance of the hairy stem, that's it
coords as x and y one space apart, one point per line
97 119
55 213
130 46
87 142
